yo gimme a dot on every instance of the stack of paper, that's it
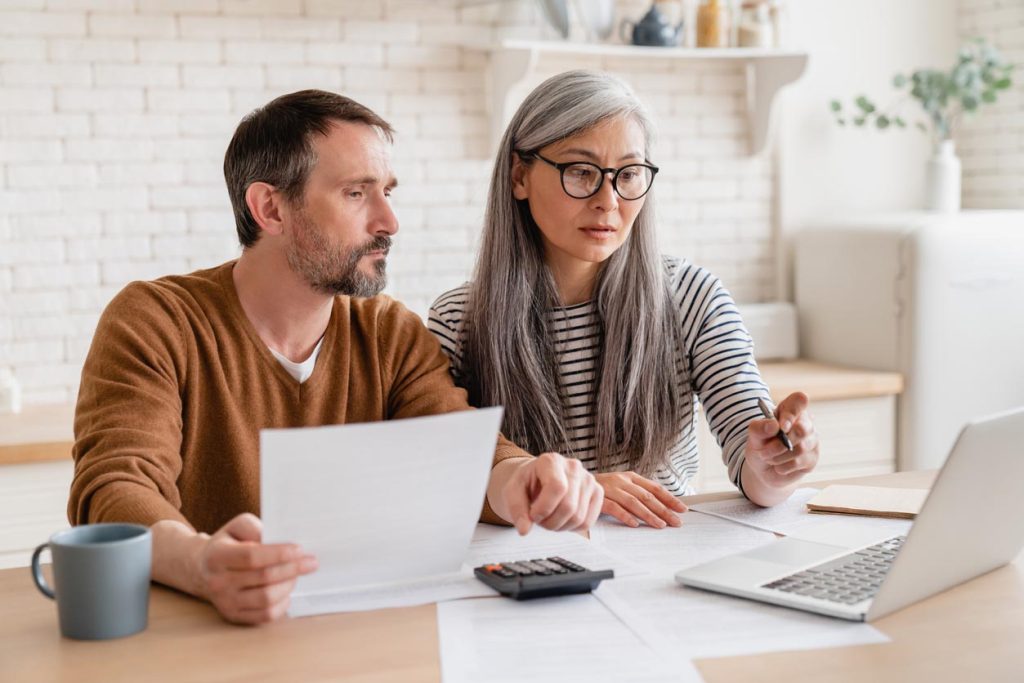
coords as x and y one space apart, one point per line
636 627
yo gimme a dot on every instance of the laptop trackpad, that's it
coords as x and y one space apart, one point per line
794 552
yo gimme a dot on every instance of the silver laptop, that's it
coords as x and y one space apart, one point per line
969 524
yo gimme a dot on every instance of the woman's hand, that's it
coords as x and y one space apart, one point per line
775 469
630 498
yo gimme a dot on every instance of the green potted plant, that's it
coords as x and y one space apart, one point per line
945 97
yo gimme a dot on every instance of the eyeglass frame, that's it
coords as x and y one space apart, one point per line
561 167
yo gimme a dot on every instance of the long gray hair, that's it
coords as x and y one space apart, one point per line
509 356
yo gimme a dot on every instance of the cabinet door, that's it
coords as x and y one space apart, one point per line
858 438
33 505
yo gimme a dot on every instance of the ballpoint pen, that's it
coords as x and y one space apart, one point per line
781 436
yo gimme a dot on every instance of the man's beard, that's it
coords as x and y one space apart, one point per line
331 270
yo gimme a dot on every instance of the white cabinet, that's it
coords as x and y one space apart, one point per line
938 298
35 477
33 505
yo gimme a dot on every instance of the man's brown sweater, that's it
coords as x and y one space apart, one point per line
178 384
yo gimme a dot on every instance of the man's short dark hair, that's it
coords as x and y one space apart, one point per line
274 145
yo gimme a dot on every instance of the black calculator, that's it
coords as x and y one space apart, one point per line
527 579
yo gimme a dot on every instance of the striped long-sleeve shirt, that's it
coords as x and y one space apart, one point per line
714 361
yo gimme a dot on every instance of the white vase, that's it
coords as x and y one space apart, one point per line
10 393
942 179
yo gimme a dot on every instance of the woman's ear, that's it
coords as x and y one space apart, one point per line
520 179
264 203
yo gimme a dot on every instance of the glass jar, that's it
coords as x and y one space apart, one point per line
755 25
713 23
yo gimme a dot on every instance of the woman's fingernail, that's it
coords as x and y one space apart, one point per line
786 425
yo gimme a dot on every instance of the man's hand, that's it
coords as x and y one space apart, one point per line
767 459
249 582
631 498
550 490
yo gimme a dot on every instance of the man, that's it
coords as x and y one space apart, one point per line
184 371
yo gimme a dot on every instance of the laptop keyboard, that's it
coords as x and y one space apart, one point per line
846 580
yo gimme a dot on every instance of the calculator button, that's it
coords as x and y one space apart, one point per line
518 568
553 566
567 564
499 570
537 568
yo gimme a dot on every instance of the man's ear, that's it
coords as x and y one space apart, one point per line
520 180
264 202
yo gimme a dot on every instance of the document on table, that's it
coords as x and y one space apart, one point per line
571 639
791 518
692 624
388 508
700 539
687 623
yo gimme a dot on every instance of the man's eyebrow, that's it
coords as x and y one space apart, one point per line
368 180
590 155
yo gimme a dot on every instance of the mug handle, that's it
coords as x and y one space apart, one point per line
37 573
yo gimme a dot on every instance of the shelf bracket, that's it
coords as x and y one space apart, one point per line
765 77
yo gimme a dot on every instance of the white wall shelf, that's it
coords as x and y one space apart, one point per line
767 71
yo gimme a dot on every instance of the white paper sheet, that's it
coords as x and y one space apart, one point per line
688 623
661 624
570 639
379 504
396 594
504 544
701 538
791 518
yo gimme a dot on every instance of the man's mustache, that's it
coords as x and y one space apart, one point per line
379 243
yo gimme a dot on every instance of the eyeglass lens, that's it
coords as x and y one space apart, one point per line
583 180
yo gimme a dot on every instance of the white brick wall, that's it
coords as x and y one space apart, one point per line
991 145
114 117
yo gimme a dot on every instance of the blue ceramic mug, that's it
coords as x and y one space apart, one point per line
101 575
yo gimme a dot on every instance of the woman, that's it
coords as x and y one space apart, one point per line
595 344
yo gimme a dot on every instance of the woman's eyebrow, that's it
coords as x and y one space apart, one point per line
590 155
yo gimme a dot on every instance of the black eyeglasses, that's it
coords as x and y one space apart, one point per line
582 179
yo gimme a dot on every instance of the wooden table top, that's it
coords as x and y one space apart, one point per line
974 632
